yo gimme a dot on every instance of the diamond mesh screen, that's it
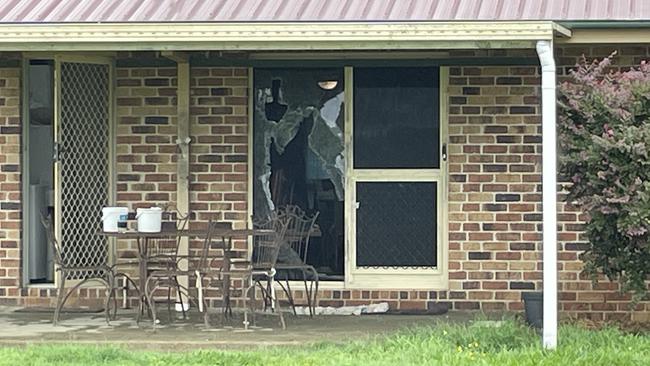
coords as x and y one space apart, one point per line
84 137
396 224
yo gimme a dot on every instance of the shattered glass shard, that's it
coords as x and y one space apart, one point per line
292 100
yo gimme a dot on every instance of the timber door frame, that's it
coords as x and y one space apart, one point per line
436 279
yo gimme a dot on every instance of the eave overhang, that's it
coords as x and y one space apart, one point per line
275 36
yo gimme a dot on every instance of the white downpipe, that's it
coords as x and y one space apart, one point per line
549 193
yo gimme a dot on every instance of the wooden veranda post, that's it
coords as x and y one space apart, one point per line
183 141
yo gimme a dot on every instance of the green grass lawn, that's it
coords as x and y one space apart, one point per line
508 344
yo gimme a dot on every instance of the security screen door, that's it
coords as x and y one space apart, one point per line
396 176
82 156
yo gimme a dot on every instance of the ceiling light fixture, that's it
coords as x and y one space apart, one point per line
328 84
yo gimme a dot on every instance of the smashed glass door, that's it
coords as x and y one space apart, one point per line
298 157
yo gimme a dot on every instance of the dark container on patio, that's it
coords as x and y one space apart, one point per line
534 308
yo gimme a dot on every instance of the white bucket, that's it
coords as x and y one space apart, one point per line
111 216
149 219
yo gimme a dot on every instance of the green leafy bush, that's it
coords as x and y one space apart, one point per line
604 137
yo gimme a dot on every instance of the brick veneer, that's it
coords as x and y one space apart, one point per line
10 188
494 181
494 176
219 161
146 138
145 135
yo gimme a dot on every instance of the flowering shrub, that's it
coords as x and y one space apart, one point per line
604 138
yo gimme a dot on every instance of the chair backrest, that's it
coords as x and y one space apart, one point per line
51 239
300 227
267 241
169 247
204 257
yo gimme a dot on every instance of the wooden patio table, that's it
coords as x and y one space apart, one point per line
143 239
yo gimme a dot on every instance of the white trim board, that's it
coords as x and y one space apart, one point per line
276 36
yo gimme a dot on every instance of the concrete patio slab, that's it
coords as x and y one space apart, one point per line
22 328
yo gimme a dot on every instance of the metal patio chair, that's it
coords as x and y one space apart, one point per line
162 255
260 268
101 273
167 275
222 268
292 262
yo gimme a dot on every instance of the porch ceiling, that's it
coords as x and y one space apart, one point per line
276 36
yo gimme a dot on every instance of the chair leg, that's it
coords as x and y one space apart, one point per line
249 291
272 295
202 305
315 292
114 296
149 298
125 292
206 315
180 297
169 304
307 294
140 310
264 294
60 295
227 305
201 302
110 285
62 300
276 302
287 291
279 310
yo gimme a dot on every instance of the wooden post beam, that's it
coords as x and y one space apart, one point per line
178 57
183 142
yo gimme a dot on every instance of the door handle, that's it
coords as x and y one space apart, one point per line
58 151
444 152
55 154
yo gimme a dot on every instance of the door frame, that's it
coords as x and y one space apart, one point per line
436 279
380 278
57 59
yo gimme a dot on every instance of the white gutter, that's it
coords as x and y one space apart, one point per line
272 36
549 193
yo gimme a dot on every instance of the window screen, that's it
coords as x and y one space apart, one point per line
396 119
396 224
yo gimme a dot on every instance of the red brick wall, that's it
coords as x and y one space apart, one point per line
10 187
494 189
219 160
146 138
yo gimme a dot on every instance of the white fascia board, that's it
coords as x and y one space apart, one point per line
275 36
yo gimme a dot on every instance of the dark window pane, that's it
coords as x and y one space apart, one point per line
396 224
396 119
